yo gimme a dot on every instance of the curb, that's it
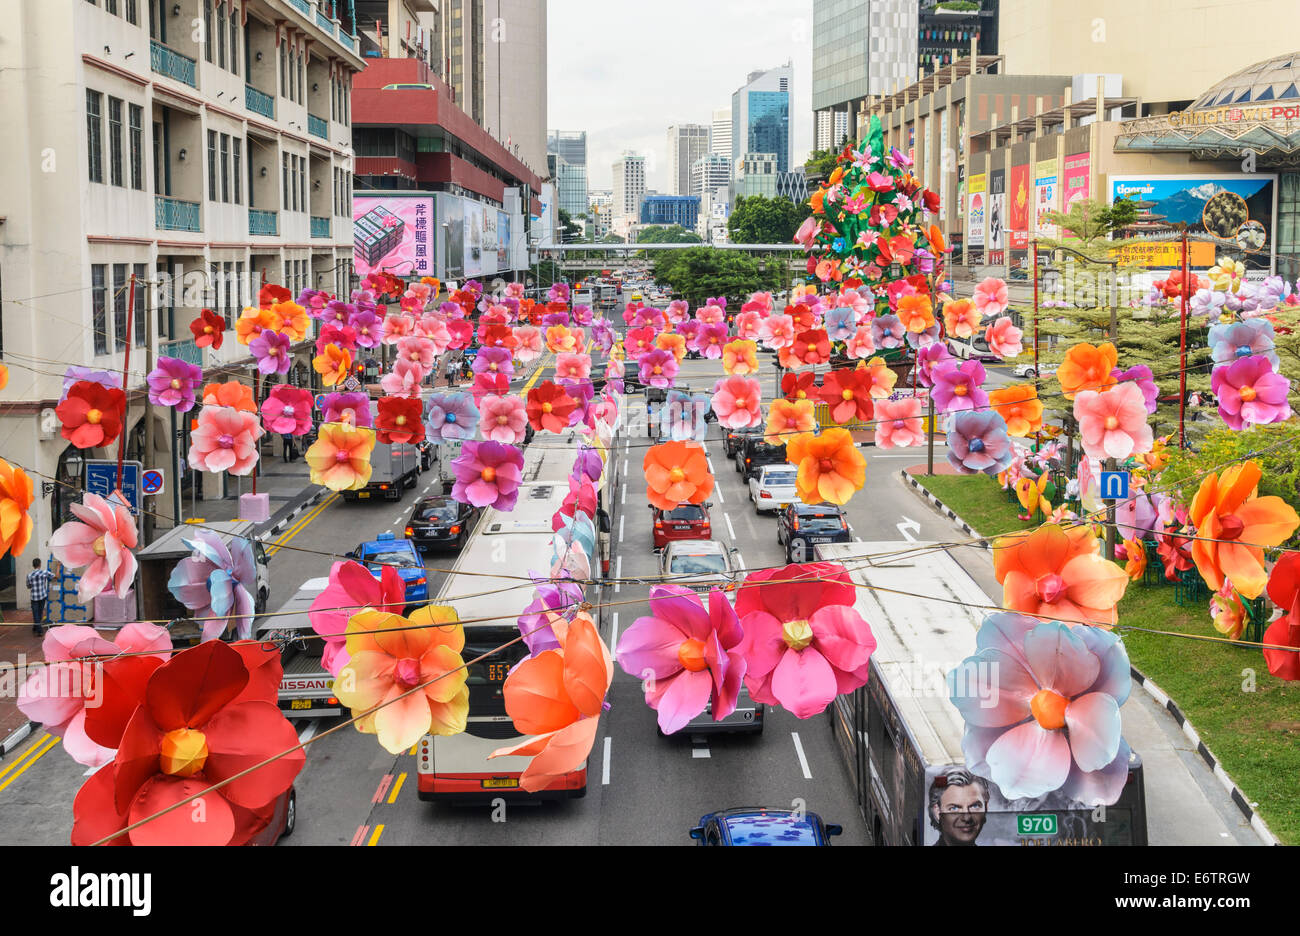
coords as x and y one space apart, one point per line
945 510
283 523
1233 791
16 738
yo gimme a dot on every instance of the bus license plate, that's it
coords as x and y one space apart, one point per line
300 704
493 783
363 494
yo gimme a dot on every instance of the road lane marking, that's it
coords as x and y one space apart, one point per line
625 466
397 788
301 524
699 747
618 574
374 837
908 524
604 770
411 752
41 753
803 761
360 836
383 788
717 489
25 754
730 529
623 499
621 518
308 732
613 637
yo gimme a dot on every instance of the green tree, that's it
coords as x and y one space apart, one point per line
569 231
1275 448
612 238
700 272
1091 218
762 220
666 234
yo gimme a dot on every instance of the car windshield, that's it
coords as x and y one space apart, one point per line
698 563
685 513
829 523
398 558
764 452
779 477
433 512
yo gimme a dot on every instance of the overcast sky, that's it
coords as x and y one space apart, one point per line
625 71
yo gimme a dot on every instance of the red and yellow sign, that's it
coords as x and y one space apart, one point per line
1200 254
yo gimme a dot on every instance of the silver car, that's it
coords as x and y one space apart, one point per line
700 565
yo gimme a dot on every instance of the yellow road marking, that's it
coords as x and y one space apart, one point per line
43 751
412 750
25 754
397 788
298 527
374 836
537 373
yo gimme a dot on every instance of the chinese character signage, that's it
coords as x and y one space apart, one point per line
394 233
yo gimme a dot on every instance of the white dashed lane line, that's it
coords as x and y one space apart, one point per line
730 529
618 574
803 761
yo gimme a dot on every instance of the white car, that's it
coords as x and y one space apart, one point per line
772 487
1027 369
700 565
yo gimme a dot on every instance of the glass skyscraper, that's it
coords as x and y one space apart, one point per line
760 116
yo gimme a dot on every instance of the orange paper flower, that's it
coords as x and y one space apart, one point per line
830 466
676 473
1019 405
249 325
15 501
333 365
291 319
231 393
1030 494
740 357
881 377
1058 573
961 318
1136 553
559 339
785 418
340 456
4 376
1233 526
668 341
916 312
1087 368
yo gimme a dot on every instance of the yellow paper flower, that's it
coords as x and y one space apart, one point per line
340 457
740 357
668 341
333 365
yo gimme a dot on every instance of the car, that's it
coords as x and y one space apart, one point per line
764 827
734 438
700 565
800 527
387 549
283 811
772 487
683 522
439 521
1027 369
755 452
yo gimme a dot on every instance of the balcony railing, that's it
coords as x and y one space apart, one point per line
173 214
320 227
318 126
167 61
263 223
259 102
349 41
324 22
303 7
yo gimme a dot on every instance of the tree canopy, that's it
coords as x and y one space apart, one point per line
762 220
666 234
1091 218
700 272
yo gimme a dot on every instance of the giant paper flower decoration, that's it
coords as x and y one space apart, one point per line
550 406
804 642
961 318
1234 526
1087 368
550 595
488 475
503 419
1250 393
978 441
556 696
217 582
1140 376
847 394
91 414
916 312
352 589
1113 424
658 368
413 668
1236 340
172 383
959 386
777 331
15 502
101 544
786 418
1041 703
898 422
686 654
1284 591
1003 338
340 457
1058 573
399 421
990 297
232 393
208 329
830 468
333 364
351 408
740 357
287 410
203 720
1019 405
453 416
225 440
676 473
737 402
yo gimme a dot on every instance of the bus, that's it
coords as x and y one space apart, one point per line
901 735
457 768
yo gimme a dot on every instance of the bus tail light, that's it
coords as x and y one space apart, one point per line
333 700
420 581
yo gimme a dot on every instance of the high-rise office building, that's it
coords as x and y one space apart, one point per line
760 115
709 172
570 150
629 186
686 143
720 137
832 127
571 145
860 48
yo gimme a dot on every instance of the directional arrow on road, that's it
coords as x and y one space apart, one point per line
909 524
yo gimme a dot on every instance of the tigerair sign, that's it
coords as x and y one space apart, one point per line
1231 115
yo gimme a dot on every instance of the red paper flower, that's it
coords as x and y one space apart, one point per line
270 294
811 347
800 386
549 407
1284 590
847 393
91 414
208 329
400 420
497 336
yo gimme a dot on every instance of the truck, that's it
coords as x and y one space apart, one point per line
448 449
156 562
306 688
901 736
393 468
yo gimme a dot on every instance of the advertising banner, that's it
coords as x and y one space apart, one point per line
978 188
489 241
1045 192
1237 208
473 238
394 233
997 213
451 211
1018 223
1076 175
503 242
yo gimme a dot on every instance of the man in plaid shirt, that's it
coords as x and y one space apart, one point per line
38 583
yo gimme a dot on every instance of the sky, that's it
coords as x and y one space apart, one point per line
626 70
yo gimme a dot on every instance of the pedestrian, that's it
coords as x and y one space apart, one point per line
38 584
290 449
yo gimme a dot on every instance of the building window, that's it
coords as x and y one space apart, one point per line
110 6
212 165
284 74
207 29
232 293
302 79
221 35
302 180
137 147
239 284
234 39
237 146
284 169
131 16
115 140
141 332
94 134
157 159
225 167
99 307
119 305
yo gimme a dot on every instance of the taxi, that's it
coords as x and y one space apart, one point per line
402 555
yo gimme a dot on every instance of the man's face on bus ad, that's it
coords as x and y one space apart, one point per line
961 814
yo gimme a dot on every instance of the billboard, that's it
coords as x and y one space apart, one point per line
488 241
473 238
1076 183
1235 211
978 203
1021 197
997 215
1045 191
503 242
451 211
394 233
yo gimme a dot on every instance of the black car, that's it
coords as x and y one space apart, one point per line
800 527
754 453
734 438
439 522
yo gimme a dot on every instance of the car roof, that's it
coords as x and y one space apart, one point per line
377 545
801 507
777 466
770 827
436 500
698 545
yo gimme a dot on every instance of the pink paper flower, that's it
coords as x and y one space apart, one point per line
990 297
711 338
709 314
225 440
1250 393
101 544
461 332
488 475
738 402
1113 423
686 654
351 589
777 331
658 368
433 327
859 344
417 350
898 423
404 379
1003 338
350 408
749 324
287 410
503 419
398 325
530 343
573 366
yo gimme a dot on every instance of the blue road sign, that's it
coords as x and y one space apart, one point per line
101 479
1114 485
151 482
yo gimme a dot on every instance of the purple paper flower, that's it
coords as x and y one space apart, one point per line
658 367
488 475
491 360
1141 375
582 314
452 416
1207 302
719 301
338 312
551 319
217 582
588 465
959 386
475 287
602 334
840 323
172 383
272 351
927 359
369 327
923 339
1250 393
75 373
1235 340
979 442
1138 516
690 330
887 331
582 390
352 408
924 260
559 292
710 339
554 596
682 416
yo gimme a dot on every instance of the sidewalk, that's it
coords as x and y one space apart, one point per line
17 645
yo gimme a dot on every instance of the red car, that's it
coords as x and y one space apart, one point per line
683 522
